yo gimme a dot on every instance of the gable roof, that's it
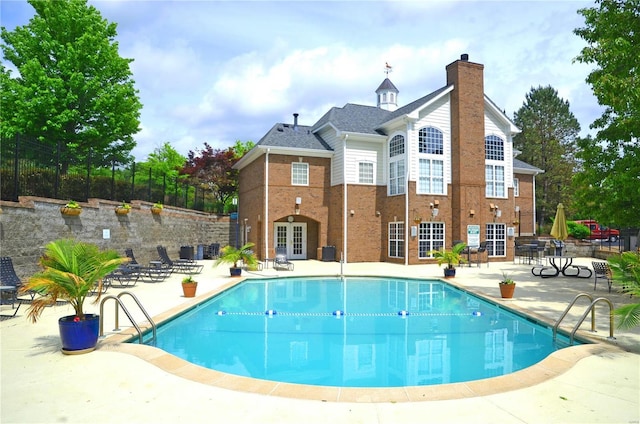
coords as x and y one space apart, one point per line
353 118
290 136
521 167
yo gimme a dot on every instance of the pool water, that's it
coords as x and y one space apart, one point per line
355 332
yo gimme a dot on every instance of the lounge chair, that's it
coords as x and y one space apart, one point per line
602 271
281 261
155 272
125 276
183 266
11 283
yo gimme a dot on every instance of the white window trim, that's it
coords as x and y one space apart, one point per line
292 173
494 164
373 164
516 187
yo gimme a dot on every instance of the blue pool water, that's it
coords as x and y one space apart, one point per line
355 332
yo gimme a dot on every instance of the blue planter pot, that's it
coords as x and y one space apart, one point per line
449 272
80 336
235 272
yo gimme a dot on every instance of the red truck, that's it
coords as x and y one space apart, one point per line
598 232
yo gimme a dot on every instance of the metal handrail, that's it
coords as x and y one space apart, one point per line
126 311
590 308
566 311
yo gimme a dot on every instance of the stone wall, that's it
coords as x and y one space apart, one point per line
28 225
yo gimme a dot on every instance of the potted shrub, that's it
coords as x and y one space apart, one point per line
72 270
189 286
451 257
72 208
123 209
232 255
157 208
507 286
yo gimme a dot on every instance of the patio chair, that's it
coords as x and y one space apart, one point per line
481 253
11 283
602 271
125 276
281 261
183 266
155 273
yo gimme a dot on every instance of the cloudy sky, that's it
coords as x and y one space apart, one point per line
221 71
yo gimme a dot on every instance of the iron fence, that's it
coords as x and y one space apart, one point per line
30 167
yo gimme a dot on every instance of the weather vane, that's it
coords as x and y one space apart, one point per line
387 68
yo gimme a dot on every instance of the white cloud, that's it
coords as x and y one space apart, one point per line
218 71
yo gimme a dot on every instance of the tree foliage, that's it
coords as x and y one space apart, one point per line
548 141
213 168
608 185
71 86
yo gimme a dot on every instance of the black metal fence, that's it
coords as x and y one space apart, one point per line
32 168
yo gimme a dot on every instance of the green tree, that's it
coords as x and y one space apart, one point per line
72 86
548 141
607 186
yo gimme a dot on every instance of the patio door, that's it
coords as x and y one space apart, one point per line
292 236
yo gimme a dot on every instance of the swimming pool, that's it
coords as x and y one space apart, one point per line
355 332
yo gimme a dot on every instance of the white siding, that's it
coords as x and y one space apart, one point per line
358 151
494 125
329 136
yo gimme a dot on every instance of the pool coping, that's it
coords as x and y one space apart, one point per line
550 367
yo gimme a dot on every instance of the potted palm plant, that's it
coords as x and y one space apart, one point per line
232 255
72 270
189 286
451 257
72 208
507 286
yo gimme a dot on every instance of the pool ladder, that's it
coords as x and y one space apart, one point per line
591 309
126 311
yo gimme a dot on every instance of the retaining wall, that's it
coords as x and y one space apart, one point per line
28 225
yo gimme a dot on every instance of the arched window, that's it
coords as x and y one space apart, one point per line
396 166
494 172
493 148
430 141
430 167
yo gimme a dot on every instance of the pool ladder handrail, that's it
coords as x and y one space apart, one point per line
591 309
126 311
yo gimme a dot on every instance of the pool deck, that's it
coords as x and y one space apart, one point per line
139 384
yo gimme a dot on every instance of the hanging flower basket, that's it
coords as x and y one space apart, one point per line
72 208
156 211
65 210
122 211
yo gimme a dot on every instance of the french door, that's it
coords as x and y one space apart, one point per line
293 237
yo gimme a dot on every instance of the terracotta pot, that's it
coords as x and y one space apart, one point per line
189 289
506 290
156 211
122 211
70 211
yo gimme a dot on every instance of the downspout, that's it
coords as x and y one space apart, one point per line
407 226
535 218
266 202
344 196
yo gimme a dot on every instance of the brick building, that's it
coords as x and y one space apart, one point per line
389 183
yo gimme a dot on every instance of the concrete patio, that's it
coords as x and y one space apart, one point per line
115 385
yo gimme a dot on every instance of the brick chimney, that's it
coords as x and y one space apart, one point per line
467 142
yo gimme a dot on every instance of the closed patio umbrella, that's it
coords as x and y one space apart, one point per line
559 230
